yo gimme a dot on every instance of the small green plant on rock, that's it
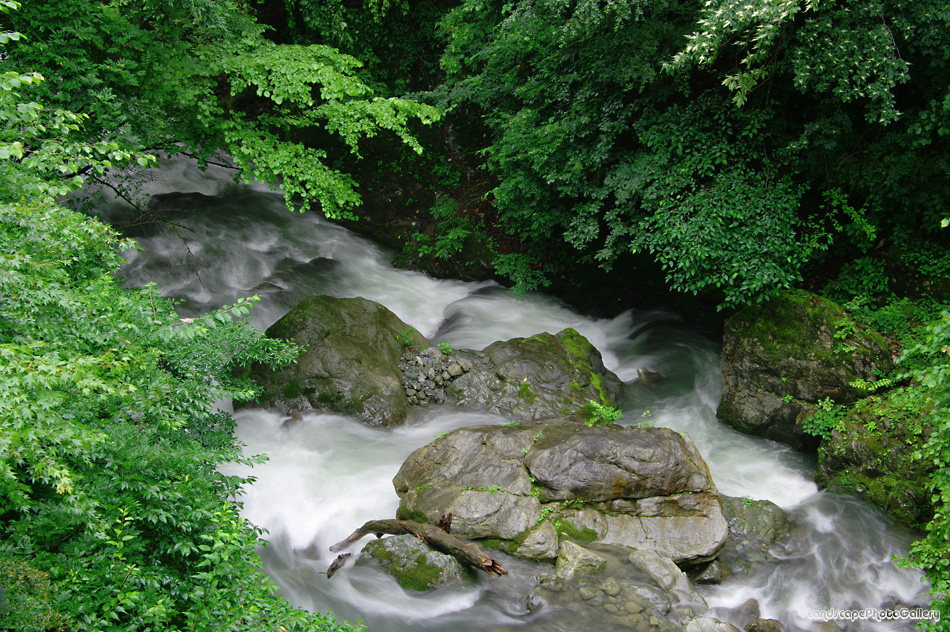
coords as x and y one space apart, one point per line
547 511
826 418
407 337
445 348
601 415
843 329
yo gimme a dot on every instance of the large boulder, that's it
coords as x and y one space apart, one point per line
781 357
871 452
350 363
636 487
535 378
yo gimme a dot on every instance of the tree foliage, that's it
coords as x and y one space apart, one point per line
113 513
199 77
932 359
734 142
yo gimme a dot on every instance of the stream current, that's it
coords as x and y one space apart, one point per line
329 474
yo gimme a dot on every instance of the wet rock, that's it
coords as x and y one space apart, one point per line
413 564
715 572
707 624
540 544
670 578
748 612
574 559
871 454
535 378
493 479
610 587
350 364
765 625
761 520
782 356
756 527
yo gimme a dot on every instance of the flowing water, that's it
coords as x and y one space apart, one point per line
329 474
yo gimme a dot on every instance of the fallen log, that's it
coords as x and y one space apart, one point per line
464 551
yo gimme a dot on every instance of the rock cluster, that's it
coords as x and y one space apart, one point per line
531 486
360 359
426 374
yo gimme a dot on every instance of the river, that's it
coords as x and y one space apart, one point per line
328 475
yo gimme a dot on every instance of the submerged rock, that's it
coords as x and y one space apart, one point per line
756 529
635 487
414 564
781 357
350 364
708 624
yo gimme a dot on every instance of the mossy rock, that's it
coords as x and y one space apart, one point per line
566 529
350 362
782 356
414 564
871 453
538 377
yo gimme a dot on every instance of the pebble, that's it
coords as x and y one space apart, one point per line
633 607
425 375
611 587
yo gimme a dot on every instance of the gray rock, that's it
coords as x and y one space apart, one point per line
781 356
610 587
573 560
535 378
540 544
483 475
351 361
715 572
761 520
708 624
755 528
669 577
413 564
603 464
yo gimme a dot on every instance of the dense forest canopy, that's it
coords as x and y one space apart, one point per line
742 146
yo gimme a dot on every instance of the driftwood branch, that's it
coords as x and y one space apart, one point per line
466 552
337 564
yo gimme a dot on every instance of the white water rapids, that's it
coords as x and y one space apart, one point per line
329 474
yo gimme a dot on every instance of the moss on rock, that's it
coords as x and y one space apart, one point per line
566 529
793 351
871 452
414 565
